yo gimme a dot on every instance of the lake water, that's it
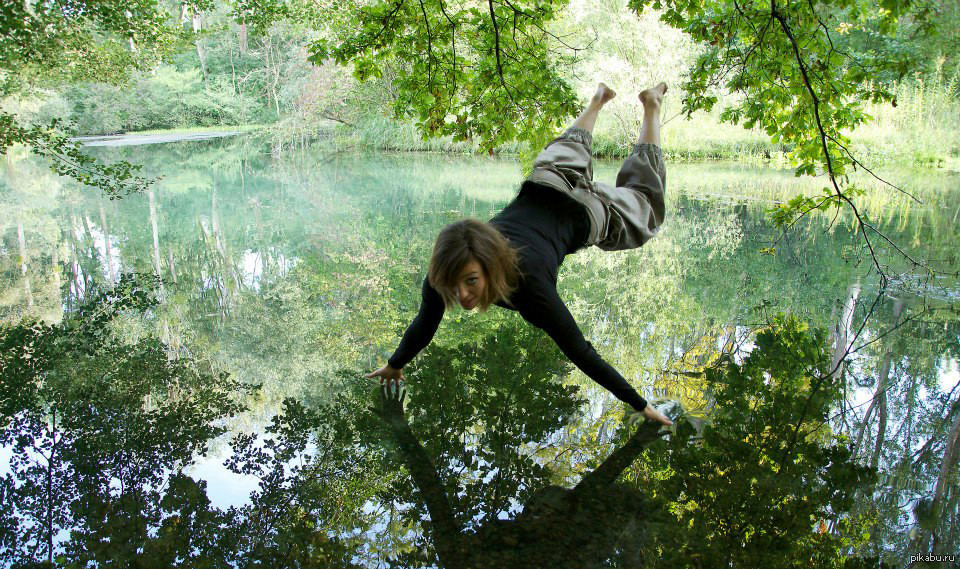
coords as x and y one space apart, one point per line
299 272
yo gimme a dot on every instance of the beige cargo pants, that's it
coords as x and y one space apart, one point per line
624 216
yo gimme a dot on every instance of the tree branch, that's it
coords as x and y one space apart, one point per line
823 135
496 50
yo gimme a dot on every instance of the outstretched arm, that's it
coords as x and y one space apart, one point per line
422 329
549 312
417 336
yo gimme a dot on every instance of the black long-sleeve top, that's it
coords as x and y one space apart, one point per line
545 226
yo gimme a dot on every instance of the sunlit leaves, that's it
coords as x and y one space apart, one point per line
767 467
68 159
794 74
784 215
484 72
43 43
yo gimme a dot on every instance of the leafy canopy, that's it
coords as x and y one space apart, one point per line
51 43
490 72
802 71
757 488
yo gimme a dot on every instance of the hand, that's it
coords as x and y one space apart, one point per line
390 403
388 375
650 412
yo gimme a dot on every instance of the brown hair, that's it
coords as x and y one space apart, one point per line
468 239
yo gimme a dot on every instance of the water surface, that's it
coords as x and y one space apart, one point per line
299 272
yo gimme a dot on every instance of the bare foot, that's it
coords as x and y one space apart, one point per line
653 96
603 95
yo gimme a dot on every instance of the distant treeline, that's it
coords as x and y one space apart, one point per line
236 74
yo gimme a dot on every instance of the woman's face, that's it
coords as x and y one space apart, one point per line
471 284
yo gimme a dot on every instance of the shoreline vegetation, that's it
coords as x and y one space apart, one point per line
267 86
699 140
922 130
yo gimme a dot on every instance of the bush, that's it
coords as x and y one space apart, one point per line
166 98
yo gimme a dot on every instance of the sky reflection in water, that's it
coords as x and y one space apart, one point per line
283 270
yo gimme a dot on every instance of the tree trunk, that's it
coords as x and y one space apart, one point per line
444 528
84 252
911 403
88 225
201 53
173 267
22 243
55 261
156 235
243 36
227 270
130 42
881 428
842 336
950 454
729 338
276 78
233 73
882 383
106 241
70 263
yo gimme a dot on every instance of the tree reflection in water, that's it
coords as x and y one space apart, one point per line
103 422
100 424
747 490
558 527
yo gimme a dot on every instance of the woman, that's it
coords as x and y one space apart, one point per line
512 260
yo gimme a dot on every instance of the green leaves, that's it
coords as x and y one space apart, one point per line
799 70
767 467
68 159
785 215
44 44
489 73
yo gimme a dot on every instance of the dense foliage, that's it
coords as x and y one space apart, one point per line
485 74
489 74
101 431
99 428
759 484
45 43
87 409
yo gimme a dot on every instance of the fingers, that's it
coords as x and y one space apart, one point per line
660 418
388 381
386 377
651 413
396 391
